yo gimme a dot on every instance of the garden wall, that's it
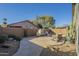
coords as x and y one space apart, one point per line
16 31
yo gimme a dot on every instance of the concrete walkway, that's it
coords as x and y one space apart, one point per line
28 49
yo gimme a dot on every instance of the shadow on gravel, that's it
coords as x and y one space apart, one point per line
48 52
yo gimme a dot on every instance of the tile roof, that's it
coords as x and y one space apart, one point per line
24 21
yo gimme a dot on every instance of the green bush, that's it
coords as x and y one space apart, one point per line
17 38
14 37
3 38
11 36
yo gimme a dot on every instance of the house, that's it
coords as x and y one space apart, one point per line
29 28
24 24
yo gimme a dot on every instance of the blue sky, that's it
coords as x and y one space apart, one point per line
62 12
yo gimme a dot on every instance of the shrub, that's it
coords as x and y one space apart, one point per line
14 37
17 38
73 41
59 37
5 46
3 39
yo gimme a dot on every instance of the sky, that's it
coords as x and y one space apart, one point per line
62 12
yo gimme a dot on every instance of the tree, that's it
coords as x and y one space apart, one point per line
39 26
45 21
4 22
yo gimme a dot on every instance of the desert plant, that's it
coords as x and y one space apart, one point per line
3 39
59 37
72 40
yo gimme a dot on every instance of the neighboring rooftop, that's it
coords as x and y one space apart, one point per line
24 21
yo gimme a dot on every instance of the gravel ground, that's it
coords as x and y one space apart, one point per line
35 46
60 50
